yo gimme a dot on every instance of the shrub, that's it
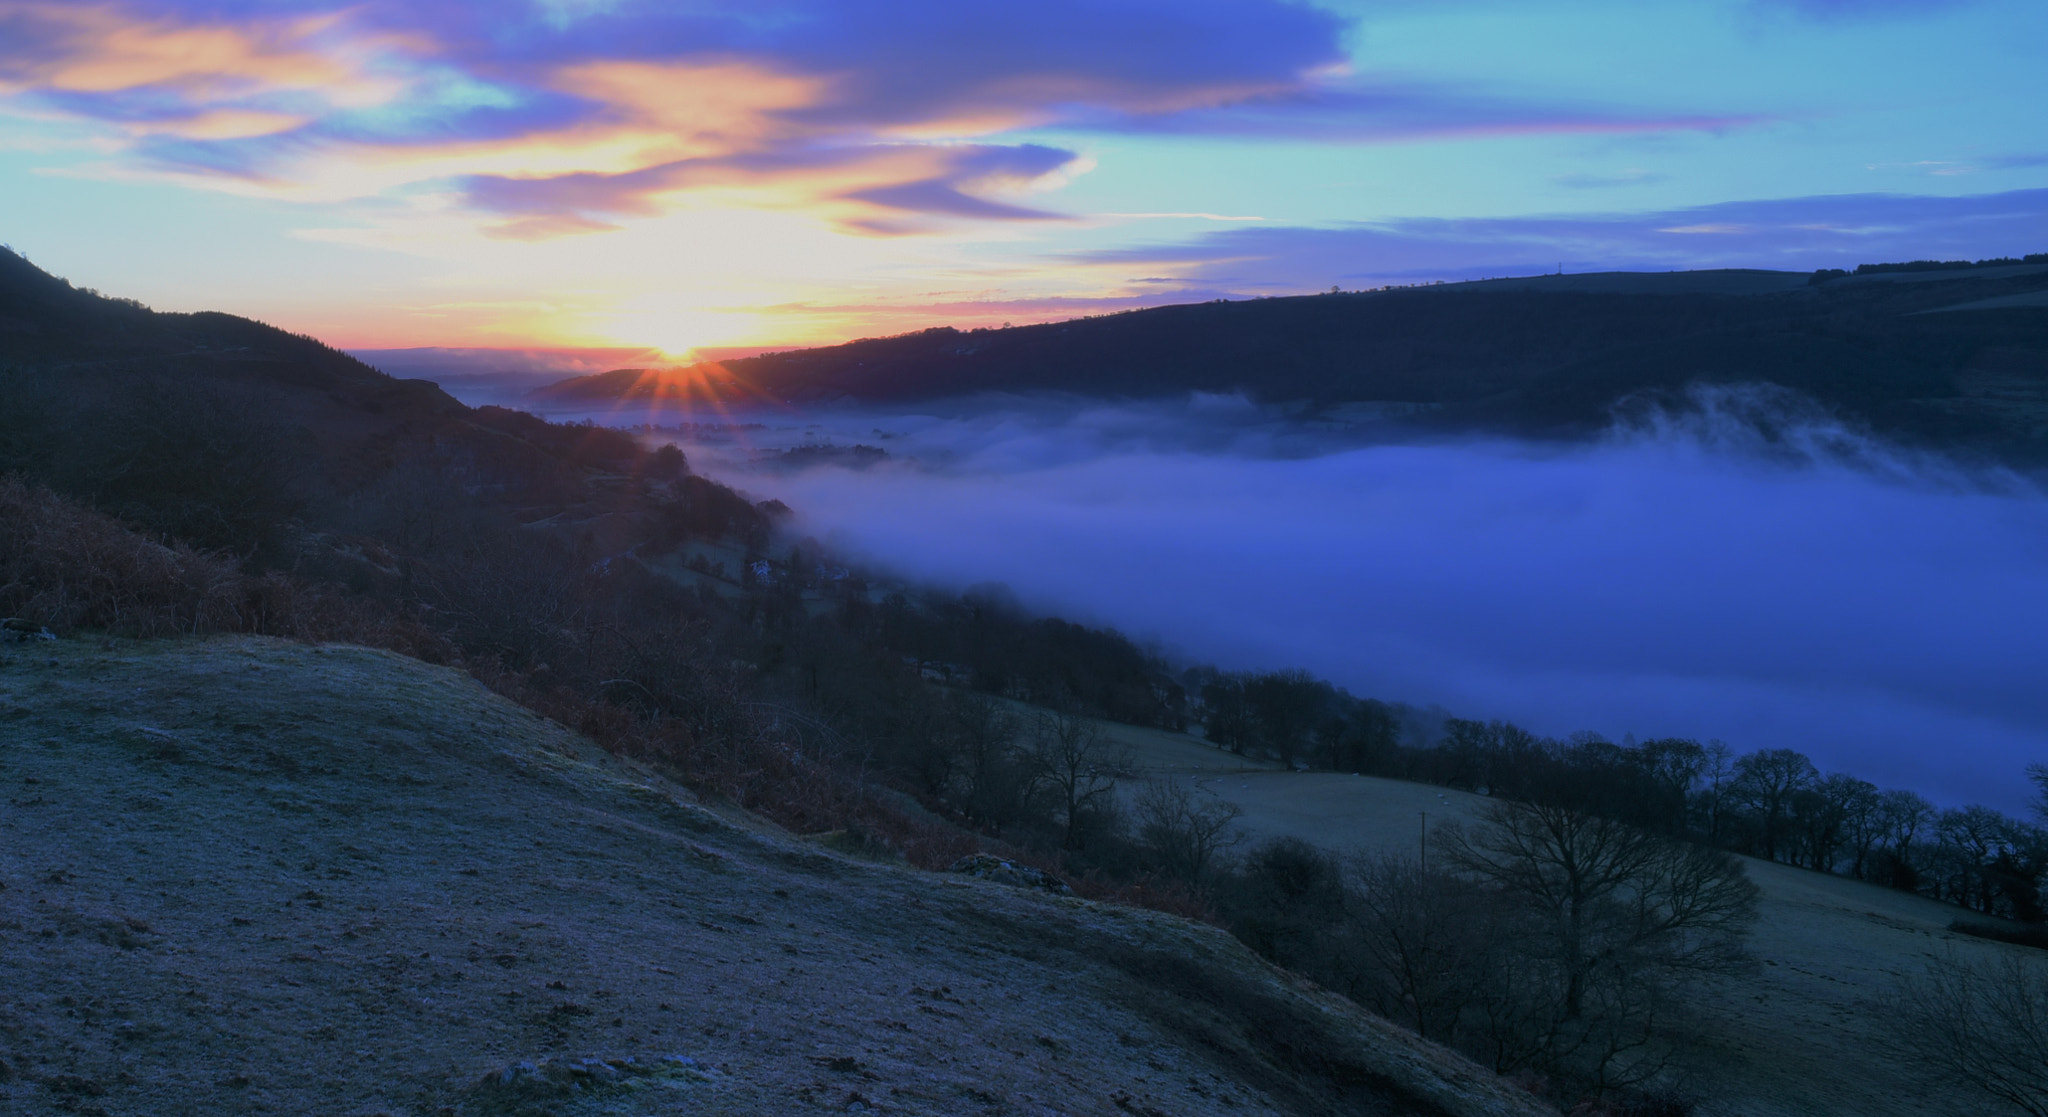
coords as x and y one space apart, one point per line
66 567
69 568
2019 934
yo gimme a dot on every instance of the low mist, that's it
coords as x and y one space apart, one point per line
1747 570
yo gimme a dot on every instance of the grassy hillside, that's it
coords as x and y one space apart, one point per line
1547 355
1793 1036
242 875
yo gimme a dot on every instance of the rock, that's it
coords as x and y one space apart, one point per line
987 866
540 1079
21 631
855 842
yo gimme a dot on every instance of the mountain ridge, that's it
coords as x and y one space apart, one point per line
1545 356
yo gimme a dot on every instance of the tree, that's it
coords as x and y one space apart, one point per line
1370 737
1671 766
996 783
199 464
921 742
1977 1028
1286 705
1610 920
1765 782
1226 720
1865 829
1825 813
1184 830
1287 902
1717 773
1421 943
2039 774
1902 816
1078 764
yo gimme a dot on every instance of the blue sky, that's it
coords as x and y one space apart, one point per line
713 173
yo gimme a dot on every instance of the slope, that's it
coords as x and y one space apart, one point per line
242 876
1796 1035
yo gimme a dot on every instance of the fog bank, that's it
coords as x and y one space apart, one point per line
1754 572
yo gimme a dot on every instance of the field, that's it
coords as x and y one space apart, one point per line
1792 1037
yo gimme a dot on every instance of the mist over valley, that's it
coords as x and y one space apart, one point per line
1744 567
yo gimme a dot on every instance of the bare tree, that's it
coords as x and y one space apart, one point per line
996 783
1608 922
1902 817
1717 773
1977 1028
1826 811
1186 830
2039 774
1422 943
1078 764
1765 782
923 744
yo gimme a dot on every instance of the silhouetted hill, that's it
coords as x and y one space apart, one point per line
1546 355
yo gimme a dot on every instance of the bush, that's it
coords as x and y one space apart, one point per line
1978 1028
68 568
2019 934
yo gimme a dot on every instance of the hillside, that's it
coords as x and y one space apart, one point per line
96 346
1796 1034
244 876
1547 355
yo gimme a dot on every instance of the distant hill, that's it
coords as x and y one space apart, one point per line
82 349
632 385
1543 355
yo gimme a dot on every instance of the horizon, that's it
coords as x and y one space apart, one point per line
604 174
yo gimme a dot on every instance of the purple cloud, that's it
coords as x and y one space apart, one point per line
912 180
1789 233
1362 111
574 114
1859 9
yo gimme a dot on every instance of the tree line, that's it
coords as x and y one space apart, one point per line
1770 803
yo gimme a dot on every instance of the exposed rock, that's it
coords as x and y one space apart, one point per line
987 866
21 631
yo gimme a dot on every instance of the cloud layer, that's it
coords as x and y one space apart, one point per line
555 117
1792 233
1818 591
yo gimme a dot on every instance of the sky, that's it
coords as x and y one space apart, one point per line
719 175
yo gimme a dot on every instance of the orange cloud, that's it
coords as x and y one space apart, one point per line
694 109
101 48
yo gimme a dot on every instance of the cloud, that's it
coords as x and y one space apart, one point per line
1791 233
557 117
1845 10
195 80
1633 177
866 188
1366 111
1807 587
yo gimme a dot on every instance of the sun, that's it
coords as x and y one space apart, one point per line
679 332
